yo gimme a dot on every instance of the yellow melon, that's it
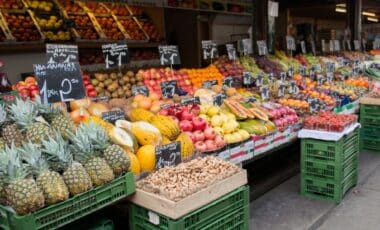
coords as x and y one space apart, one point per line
135 164
147 158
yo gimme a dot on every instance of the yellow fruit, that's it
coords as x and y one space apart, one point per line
228 127
204 109
219 130
204 117
187 146
141 115
216 121
145 133
213 110
97 120
135 164
165 141
147 158
244 134
123 138
167 126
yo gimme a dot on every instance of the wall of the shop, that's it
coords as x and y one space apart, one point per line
224 26
15 64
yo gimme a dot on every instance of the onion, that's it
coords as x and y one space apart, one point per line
79 115
81 103
97 109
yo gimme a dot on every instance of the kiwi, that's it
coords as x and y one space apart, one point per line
94 82
101 85
108 82
121 81
100 77
114 95
130 74
126 79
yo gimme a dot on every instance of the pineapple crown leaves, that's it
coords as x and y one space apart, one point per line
23 112
11 166
32 155
3 115
57 152
46 110
82 147
98 136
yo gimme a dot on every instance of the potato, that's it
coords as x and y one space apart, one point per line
101 85
130 74
108 82
114 95
113 76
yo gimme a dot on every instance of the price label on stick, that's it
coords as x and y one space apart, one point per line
290 43
59 82
270 77
218 99
364 44
303 47
168 88
312 73
56 53
292 87
262 47
320 79
281 90
259 80
231 51
210 50
228 82
142 89
168 155
290 71
357 45
115 54
169 55
330 76
113 116
348 42
246 46
302 70
208 84
282 76
264 92
191 100
313 49
330 67
336 45
247 79
331 46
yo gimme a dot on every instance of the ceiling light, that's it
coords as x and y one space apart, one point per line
365 13
341 5
372 19
340 10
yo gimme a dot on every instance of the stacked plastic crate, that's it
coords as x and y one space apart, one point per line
329 168
370 121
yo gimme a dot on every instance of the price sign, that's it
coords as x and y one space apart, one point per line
357 45
312 72
262 47
282 76
364 44
169 55
313 105
290 43
247 79
318 67
210 50
168 88
323 45
320 79
336 45
100 99
348 42
218 99
142 89
246 46
115 54
281 90
264 92
259 80
228 82
59 82
191 100
56 53
313 49
340 61
303 47
330 76
208 84
290 71
250 99
330 67
168 155
344 45
342 77
165 106
302 70
113 116
270 77
292 87
231 51
331 46
356 62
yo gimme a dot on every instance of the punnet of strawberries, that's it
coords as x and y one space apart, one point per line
328 121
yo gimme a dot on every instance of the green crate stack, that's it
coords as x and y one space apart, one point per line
77 207
329 168
228 212
370 131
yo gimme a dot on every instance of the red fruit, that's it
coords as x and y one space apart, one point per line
199 123
209 133
92 93
198 135
200 146
33 87
186 115
210 145
219 141
190 134
89 87
164 112
86 77
175 119
86 82
185 126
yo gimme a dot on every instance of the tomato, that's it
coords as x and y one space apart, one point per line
21 88
92 93
24 92
86 82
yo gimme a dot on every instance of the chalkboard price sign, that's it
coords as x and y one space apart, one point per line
168 88
357 45
115 54
191 100
320 79
262 47
59 82
282 76
168 155
210 50
302 70
329 76
169 55
142 89
270 77
57 53
208 84
231 51
250 99
113 116
259 80
290 43
228 82
247 79
218 99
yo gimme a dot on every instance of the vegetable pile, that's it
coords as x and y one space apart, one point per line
328 121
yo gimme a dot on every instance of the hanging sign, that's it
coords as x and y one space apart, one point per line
191 100
246 46
210 50
168 88
209 83
323 45
169 55
290 71
259 80
115 54
313 49
336 45
264 92
349 45
57 53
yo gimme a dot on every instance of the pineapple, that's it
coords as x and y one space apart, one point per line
58 119
24 113
9 132
51 182
84 152
115 156
2 144
21 190
60 159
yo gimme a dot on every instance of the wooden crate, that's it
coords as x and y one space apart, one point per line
175 210
369 101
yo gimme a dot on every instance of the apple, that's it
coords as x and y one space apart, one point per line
198 135
199 123
186 115
200 146
210 145
185 125
219 141
209 133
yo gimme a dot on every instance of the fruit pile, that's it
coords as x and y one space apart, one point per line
282 116
151 102
28 88
322 96
22 27
328 121
90 89
268 66
46 163
110 28
132 29
44 6
11 4
117 9
71 6
151 30
229 68
115 85
84 26
301 106
96 7
51 27
198 76
136 11
145 54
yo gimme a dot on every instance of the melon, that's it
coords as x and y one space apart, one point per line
123 138
146 156
167 126
187 146
141 115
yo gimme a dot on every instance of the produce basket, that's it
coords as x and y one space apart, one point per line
228 212
60 214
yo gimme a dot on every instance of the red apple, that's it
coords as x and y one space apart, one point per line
209 133
164 112
199 123
186 126
200 146
198 135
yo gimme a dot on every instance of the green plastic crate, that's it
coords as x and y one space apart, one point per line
330 151
77 207
329 190
370 132
370 144
228 212
328 170
369 110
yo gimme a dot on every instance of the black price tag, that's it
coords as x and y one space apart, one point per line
247 78
191 100
348 42
168 88
57 53
313 105
331 45
302 70
168 155
142 89
330 67
246 46
270 77
330 76
169 55
250 99
231 51
357 45
290 71
262 47
218 99
292 87
281 90
228 82
290 43
113 116
264 93
312 72
115 54
320 79
318 67
59 82
259 80
210 50
100 99
209 83
282 76
303 47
